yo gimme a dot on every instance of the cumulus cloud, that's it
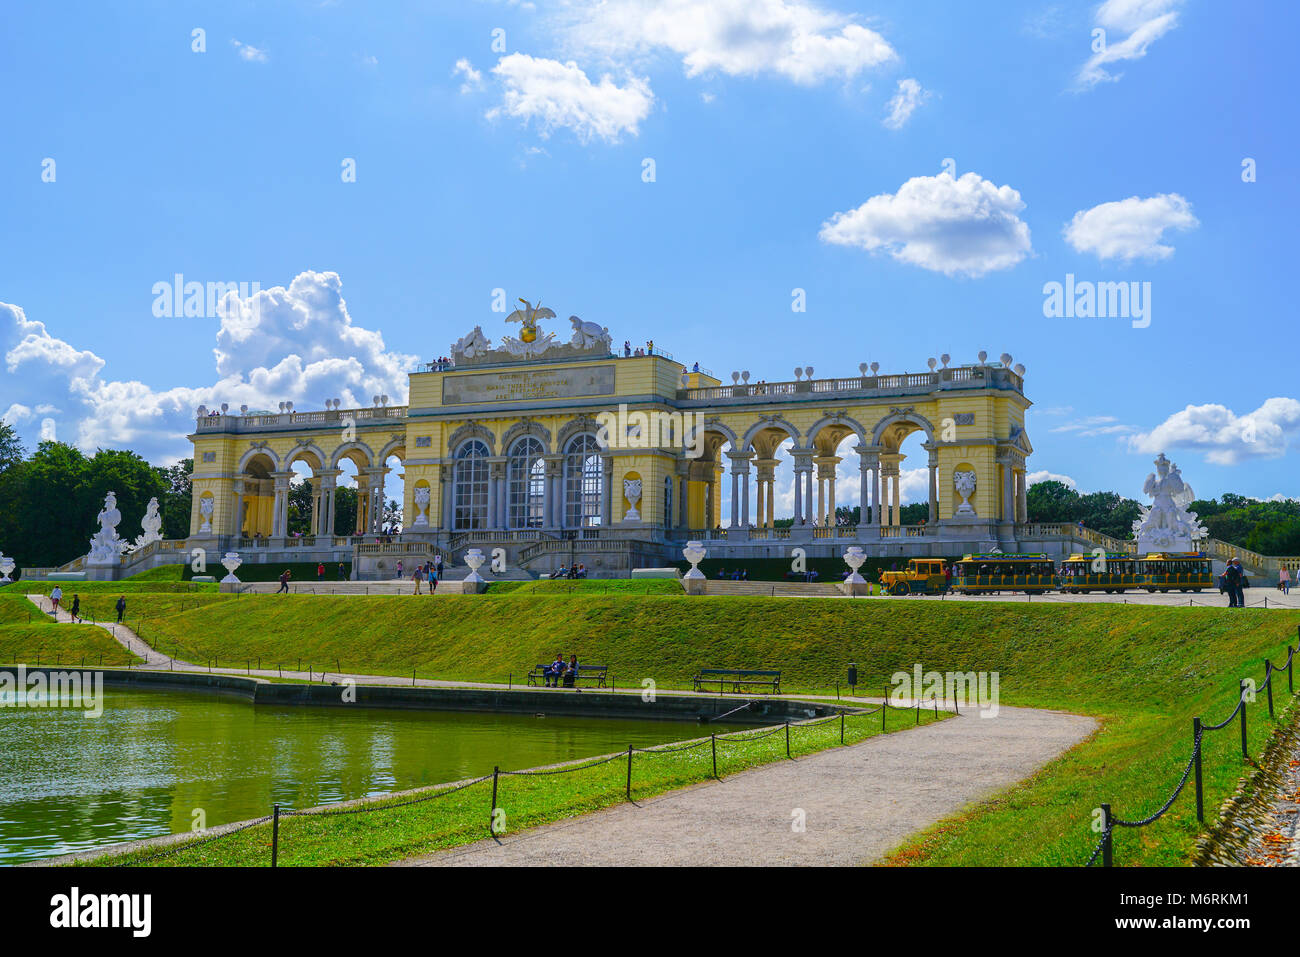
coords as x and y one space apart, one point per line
559 94
473 78
1033 478
963 226
1225 437
795 40
904 103
297 343
1139 22
249 53
1130 228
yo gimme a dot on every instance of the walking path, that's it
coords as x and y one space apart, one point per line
858 802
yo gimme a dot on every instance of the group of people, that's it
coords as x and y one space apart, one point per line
1234 582
737 574
557 671
441 364
74 611
320 573
628 351
428 572
576 570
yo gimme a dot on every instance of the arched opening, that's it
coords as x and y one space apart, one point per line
837 478
256 500
393 492
904 491
584 483
774 478
526 484
470 486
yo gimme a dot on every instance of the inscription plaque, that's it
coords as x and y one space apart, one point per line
506 386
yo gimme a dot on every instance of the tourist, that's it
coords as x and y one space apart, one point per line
552 674
1232 577
284 582
343 573
571 674
722 573
76 608
56 596
582 570
1284 581
415 577
744 574
650 347
399 569
947 578
320 571
437 564
627 349
121 608
433 580
562 572
695 367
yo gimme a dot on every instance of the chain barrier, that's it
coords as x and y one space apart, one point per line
1110 821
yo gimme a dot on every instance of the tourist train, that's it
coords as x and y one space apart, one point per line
1035 574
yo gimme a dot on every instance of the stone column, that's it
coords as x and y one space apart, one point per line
280 510
1008 491
808 481
683 500
237 488
446 495
934 484
1022 499
607 495
762 516
896 500
552 510
798 494
735 497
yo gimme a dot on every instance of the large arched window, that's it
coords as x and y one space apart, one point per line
471 478
584 479
527 484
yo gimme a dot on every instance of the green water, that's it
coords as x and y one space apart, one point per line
154 759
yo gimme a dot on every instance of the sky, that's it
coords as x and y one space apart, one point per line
753 184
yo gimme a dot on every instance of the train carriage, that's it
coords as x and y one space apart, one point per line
993 572
1119 572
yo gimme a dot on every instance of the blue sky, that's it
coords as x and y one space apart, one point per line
796 145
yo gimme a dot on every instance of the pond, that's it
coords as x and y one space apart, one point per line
155 762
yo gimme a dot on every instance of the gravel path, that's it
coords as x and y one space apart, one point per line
858 802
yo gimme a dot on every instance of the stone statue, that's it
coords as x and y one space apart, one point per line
471 345
1165 525
964 482
632 490
588 335
151 523
528 317
206 505
106 546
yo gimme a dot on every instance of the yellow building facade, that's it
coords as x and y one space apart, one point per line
555 452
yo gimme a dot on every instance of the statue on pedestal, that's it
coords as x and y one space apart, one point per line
152 525
1165 525
106 546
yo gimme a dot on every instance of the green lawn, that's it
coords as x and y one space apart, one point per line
392 834
45 644
15 609
598 586
125 587
1143 671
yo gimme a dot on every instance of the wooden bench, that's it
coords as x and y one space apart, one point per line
736 678
596 673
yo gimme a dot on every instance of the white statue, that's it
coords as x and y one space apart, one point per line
1166 525
231 561
106 547
152 525
206 505
632 490
526 348
588 335
421 507
964 482
471 345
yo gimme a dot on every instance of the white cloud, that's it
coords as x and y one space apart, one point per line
561 95
473 78
1141 22
1033 478
798 41
1130 229
1225 437
295 343
904 103
1095 425
963 226
250 53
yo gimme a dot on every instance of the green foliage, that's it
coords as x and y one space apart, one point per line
176 501
1104 512
1270 528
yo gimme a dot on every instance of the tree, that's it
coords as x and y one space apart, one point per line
176 500
300 507
345 510
1052 501
11 447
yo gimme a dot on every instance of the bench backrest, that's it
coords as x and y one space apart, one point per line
739 671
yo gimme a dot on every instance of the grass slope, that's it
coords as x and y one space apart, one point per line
17 610
44 644
1143 671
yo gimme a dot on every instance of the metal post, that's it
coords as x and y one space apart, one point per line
492 818
1268 684
787 739
275 836
629 772
1107 851
714 738
841 727
1196 763
1290 665
1244 752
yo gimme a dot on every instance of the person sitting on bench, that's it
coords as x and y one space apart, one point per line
571 673
552 674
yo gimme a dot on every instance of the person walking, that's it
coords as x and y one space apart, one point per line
433 579
1232 576
121 608
399 569
343 573
415 577
76 608
284 582
437 564
1284 581
56 596
320 571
